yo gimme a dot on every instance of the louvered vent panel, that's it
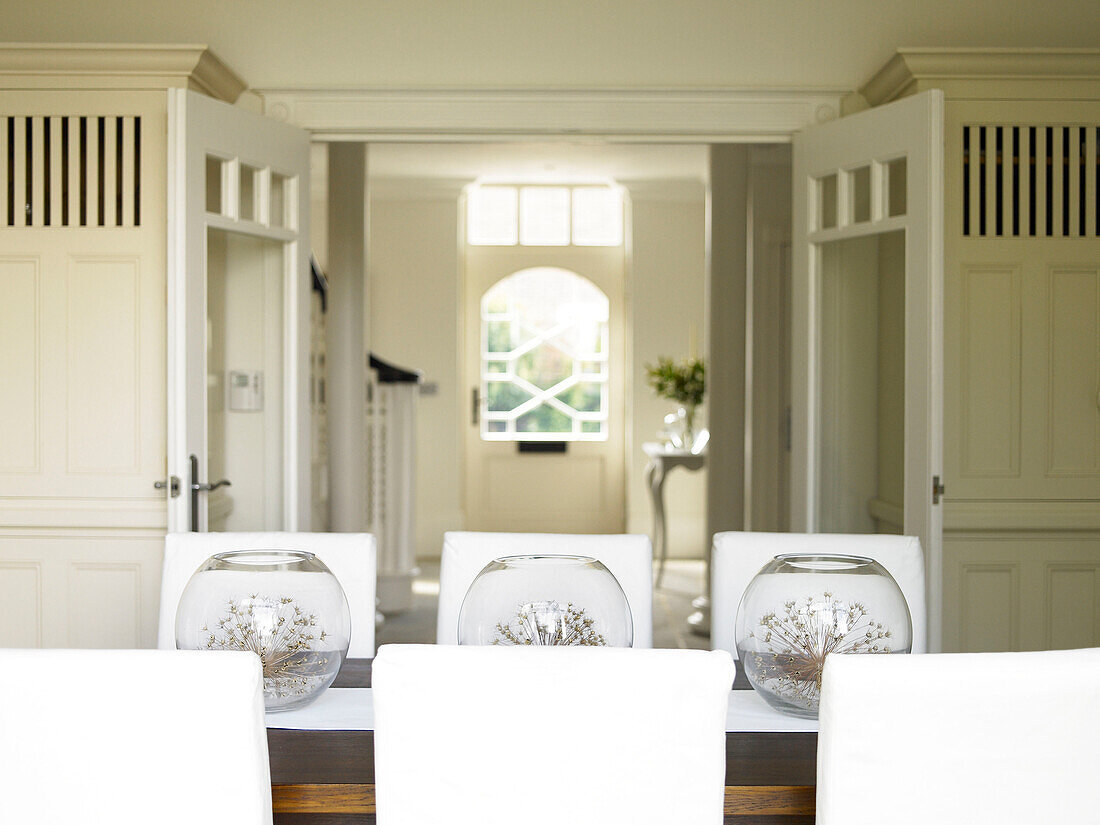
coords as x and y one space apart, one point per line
70 171
1031 181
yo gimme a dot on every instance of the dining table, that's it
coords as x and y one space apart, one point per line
322 762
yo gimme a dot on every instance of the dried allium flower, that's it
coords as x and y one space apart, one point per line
794 643
549 623
281 634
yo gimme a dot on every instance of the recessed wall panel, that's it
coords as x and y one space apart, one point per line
104 605
19 365
103 376
990 596
1072 610
1073 383
990 391
20 604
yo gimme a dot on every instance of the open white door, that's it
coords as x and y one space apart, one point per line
867 309
238 318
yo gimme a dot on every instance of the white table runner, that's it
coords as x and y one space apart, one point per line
353 709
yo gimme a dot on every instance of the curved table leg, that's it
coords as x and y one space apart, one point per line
655 480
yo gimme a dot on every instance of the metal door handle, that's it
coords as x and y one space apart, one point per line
172 484
197 487
206 488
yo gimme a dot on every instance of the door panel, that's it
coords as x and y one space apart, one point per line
867 397
238 306
582 490
82 366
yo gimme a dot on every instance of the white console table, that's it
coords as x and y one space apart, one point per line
662 459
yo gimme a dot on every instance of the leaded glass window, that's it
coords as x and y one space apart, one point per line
544 358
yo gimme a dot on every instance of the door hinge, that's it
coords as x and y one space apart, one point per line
475 406
937 489
172 483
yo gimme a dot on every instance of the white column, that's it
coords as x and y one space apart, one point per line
346 336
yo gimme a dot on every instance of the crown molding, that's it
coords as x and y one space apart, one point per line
117 66
688 115
912 66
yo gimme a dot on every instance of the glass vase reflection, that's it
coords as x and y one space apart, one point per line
800 608
285 606
545 600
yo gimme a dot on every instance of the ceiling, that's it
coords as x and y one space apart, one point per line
565 44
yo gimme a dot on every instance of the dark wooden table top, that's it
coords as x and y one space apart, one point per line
356 674
337 757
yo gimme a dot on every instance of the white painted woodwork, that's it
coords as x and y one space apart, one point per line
912 129
82 331
583 489
83 411
199 129
1022 516
998 164
680 115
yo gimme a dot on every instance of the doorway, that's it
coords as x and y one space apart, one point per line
422 313
861 413
244 398
544 361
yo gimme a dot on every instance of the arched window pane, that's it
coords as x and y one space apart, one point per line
544 368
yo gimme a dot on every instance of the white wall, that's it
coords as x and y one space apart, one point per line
666 304
414 312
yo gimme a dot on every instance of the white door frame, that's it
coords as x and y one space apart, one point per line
913 126
188 225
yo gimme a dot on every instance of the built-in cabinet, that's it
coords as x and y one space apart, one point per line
82 338
1021 550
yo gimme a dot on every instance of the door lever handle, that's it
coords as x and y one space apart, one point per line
206 488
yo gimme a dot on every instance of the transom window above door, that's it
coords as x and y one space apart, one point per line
544 358
544 216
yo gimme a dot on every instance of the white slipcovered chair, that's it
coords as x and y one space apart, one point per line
131 737
549 735
350 556
960 739
628 557
737 556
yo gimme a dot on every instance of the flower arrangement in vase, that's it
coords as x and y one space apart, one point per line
683 382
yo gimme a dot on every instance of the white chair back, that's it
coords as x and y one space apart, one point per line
628 557
132 737
350 556
549 735
736 557
960 739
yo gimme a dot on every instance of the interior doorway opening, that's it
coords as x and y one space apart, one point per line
419 313
861 414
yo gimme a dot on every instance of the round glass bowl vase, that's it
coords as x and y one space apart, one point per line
285 606
545 600
800 608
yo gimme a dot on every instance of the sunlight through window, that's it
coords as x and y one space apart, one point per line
544 216
544 358
491 216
